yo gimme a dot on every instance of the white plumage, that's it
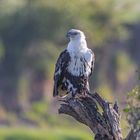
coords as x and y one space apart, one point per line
74 65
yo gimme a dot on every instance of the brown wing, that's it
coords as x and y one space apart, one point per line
60 68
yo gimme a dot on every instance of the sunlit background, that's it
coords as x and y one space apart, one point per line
32 34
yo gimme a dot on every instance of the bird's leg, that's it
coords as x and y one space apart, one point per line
83 94
79 95
66 97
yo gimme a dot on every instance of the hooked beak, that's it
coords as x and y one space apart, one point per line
68 35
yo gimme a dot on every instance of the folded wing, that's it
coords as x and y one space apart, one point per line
60 69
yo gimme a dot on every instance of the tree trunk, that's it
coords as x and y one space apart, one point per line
104 124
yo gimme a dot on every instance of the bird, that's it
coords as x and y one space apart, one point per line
74 66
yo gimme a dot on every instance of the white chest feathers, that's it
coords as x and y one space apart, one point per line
80 63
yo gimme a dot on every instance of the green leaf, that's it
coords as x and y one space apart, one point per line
126 110
138 97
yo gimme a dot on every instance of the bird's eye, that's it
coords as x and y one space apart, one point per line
74 33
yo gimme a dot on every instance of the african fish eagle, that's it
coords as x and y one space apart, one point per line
74 66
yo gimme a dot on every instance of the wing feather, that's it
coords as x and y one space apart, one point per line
93 61
60 68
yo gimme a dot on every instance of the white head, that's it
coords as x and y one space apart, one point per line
77 41
75 34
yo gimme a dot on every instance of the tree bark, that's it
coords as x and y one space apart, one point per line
104 123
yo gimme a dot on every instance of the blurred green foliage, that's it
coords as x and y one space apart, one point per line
43 134
32 34
133 106
132 111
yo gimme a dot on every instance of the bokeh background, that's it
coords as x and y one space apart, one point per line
32 34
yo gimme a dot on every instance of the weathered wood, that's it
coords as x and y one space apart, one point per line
133 135
104 124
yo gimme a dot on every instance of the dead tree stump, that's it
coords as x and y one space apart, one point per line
104 122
